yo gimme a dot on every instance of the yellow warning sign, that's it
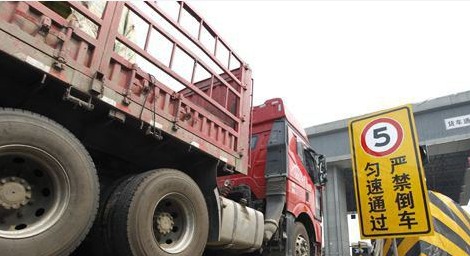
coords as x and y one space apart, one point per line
391 194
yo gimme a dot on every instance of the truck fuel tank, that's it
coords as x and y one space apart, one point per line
241 227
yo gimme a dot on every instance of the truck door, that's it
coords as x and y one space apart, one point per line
300 188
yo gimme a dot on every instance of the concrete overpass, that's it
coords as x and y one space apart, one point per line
443 125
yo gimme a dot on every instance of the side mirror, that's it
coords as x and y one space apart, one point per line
423 150
322 170
319 168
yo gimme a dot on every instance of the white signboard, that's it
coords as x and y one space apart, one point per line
457 122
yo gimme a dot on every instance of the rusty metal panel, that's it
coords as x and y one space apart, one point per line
169 69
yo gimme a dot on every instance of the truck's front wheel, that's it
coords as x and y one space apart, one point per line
301 240
161 212
48 186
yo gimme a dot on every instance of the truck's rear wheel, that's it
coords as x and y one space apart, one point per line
301 241
48 186
160 212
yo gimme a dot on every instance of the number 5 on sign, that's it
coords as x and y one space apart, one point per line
391 194
381 137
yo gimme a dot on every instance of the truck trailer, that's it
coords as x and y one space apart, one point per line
127 128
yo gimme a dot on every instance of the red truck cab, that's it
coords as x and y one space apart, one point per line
284 180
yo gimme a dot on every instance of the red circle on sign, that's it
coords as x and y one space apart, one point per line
397 143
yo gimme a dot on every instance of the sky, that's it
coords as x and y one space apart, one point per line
331 60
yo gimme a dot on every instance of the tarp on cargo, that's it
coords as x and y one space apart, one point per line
452 232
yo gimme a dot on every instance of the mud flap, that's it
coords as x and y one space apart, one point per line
290 221
285 248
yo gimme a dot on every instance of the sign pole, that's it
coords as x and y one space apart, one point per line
395 248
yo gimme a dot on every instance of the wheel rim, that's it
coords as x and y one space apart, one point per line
174 222
34 191
301 246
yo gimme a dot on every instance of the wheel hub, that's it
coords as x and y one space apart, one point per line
14 193
301 246
174 223
164 223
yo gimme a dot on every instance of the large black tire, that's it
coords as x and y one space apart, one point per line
161 212
301 246
49 189
95 243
